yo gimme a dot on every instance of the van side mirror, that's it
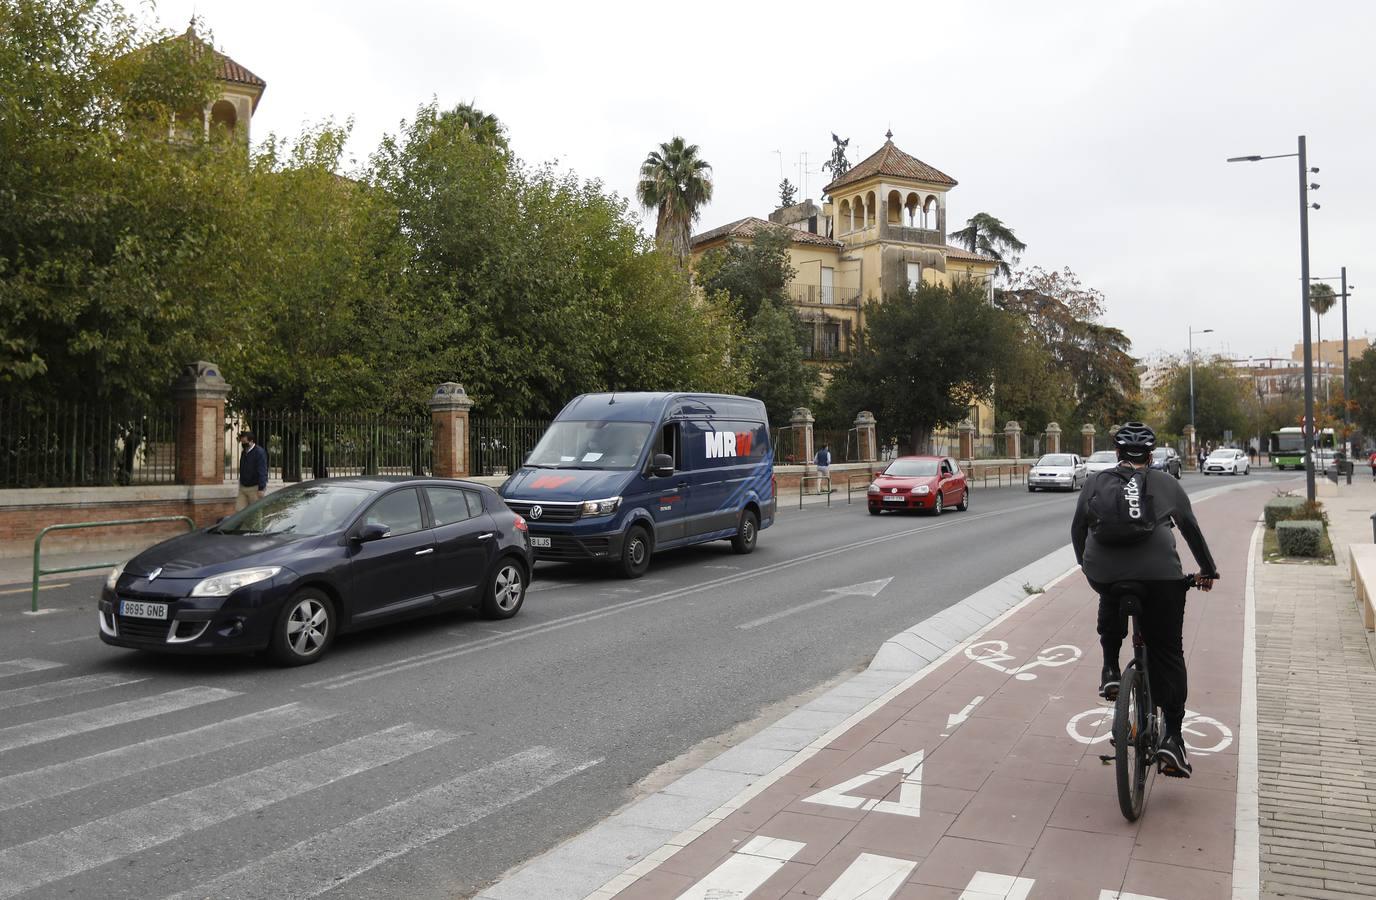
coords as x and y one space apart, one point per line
662 466
372 532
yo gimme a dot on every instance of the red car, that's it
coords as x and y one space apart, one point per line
932 483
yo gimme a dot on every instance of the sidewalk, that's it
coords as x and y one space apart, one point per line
978 777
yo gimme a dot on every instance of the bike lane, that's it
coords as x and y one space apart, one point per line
981 777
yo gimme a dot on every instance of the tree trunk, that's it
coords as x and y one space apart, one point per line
922 440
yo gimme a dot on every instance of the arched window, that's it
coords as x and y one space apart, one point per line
871 207
848 215
912 206
223 118
929 212
895 210
857 205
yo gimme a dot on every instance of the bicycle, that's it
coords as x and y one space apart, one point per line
1137 721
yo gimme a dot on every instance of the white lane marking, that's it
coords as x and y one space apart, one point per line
1203 734
909 802
67 687
324 862
25 666
745 870
67 853
870 877
1247 843
1125 895
959 718
538 586
992 653
108 716
392 668
84 637
993 886
62 778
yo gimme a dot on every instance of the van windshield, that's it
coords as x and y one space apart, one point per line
591 445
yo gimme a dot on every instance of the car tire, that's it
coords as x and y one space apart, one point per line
304 629
747 532
873 511
636 552
964 503
1031 489
938 505
506 589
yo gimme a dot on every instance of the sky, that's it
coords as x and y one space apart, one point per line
1097 131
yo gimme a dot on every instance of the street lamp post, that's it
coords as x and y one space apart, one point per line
1193 430
1308 424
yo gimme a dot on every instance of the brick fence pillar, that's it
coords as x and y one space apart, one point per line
967 439
801 421
866 438
449 407
1087 432
1012 434
1053 438
200 394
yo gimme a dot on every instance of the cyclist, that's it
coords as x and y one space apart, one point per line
1151 559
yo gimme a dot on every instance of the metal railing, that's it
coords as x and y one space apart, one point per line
302 445
820 480
66 444
500 446
824 295
39 571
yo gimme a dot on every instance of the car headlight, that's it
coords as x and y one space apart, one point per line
922 489
873 489
114 576
601 507
229 582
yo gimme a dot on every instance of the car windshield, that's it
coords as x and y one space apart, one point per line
591 445
1104 456
912 468
1160 453
305 510
1223 454
1055 459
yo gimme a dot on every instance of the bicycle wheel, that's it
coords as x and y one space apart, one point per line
1130 740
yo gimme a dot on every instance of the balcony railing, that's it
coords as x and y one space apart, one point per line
915 235
824 353
823 295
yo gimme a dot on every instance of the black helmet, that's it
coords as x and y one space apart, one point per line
1135 440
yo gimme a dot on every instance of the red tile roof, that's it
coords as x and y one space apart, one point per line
227 69
889 160
750 225
964 255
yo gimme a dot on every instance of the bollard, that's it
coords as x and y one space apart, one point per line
1373 528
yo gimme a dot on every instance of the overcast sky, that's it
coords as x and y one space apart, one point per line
1098 131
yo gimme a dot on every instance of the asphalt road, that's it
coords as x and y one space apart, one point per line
423 760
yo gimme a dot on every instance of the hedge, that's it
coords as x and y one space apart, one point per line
1299 538
1281 509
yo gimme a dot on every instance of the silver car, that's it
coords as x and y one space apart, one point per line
1058 472
1100 460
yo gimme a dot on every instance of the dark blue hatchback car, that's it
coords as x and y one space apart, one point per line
308 562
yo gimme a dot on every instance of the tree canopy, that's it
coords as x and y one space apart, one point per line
676 183
987 235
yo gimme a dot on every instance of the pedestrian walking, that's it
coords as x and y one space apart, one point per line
1372 460
824 464
253 471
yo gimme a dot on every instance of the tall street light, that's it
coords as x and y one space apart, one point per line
1193 332
1304 305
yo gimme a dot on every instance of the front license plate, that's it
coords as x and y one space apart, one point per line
539 542
894 499
142 610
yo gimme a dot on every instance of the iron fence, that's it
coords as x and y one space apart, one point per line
302 445
500 446
60 444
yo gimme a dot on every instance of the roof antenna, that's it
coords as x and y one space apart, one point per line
613 399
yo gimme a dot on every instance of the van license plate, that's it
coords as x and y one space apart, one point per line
143 610
539 542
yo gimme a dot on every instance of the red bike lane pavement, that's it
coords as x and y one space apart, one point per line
981 777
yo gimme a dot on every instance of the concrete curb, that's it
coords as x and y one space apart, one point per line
612 854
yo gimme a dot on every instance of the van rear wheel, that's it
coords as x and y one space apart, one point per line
635 553
746 532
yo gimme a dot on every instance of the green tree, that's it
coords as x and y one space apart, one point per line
926 356
754 273
788 194
837 165
1220 399
1322 298
1362 391
676 183
482 127
985 234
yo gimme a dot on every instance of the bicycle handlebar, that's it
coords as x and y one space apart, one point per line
1192 580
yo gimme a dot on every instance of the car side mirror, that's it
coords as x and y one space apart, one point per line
662 466
373 531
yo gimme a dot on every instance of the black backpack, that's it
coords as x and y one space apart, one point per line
1120 509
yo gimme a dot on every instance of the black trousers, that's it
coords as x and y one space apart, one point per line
1162 619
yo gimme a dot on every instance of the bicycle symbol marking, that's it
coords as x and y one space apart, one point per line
994 653
1203 734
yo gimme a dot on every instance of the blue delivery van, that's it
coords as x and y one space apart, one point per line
621 476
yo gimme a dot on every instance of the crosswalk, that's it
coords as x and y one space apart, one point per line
62 821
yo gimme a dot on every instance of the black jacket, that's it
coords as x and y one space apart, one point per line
253 468
1154 559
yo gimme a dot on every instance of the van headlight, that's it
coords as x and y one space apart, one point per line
601 507
113 577
229 582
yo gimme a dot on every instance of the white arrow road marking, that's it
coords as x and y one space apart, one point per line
1125 895
909 802
864 589
955 719
992 886
870 877
746 869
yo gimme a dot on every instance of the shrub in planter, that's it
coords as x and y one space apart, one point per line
1280 508
1299 538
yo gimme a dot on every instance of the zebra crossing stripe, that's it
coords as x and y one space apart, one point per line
46 859
57 690
63 778
108 716
324 862
24 666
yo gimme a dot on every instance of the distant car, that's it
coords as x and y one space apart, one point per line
1058 472
1101 460
1227 461
308 562
1324 459
930 483
1167 460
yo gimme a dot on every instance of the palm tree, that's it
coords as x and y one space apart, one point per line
1321 300
987 235
484 127
677 183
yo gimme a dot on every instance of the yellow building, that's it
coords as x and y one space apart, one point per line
230 112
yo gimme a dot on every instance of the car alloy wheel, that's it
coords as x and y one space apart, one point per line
938 507
964 503
304 629
506 592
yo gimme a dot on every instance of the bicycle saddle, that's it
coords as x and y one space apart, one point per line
1122 589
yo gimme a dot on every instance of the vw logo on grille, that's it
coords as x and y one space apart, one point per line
536 512
893 490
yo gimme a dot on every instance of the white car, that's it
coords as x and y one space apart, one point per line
1058 472
1324 459
1227 461
1100 460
